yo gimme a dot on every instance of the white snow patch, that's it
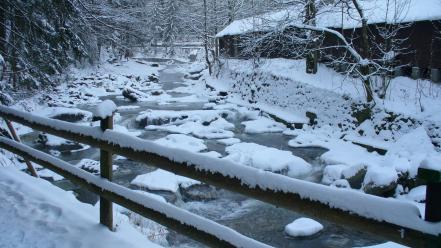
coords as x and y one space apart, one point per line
333 173
92 165
181 141
163 180
34 214
385 245
303 227
267 158
263 125
105 109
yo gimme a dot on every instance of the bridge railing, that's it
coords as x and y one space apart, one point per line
390 219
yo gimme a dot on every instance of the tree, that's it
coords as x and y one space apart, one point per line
296 35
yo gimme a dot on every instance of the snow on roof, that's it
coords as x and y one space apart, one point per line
377 11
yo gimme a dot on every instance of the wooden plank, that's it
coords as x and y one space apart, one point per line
190 231
106 208
290 201
433 193
11 128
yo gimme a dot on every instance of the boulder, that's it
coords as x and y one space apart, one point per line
355 175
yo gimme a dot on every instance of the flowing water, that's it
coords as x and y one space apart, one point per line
253 218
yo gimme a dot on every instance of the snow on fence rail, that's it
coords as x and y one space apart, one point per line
393 219
202 229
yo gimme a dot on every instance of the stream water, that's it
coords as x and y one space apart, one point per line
253 218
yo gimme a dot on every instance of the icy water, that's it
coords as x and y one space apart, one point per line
250 217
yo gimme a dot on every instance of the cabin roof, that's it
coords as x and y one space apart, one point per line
376 11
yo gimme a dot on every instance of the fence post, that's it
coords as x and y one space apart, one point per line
17 138
433 193
106 208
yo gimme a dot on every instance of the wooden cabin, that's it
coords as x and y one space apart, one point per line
419 33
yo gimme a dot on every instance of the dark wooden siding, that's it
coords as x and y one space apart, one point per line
421 46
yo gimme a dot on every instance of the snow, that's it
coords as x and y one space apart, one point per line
105 109
340 152
200 223
128 107
45 173
200 123
181 141
51 112
386 245
151 195
376 11
432 162
267 158
92 165
55 140
263 125
179 117
163 180
303 227
413 150
380 176
400 213
417 194
333 173
37 214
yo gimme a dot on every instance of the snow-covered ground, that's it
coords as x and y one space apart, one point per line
191 118
405 125
34 213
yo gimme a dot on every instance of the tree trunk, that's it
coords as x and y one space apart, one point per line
207 55
365 53
312 56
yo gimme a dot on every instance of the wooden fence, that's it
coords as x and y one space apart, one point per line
207 232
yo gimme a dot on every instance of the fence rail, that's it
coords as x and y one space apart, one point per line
138 150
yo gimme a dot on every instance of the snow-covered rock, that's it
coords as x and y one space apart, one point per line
380 181
163 180
303 227
35 212
182 141
417 194
411 151
46 173
65 114
268 158
263 125
105 109
332 173
92 165
385 245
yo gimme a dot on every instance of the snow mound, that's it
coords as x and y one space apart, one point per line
163 180
267 158
217 129
65 114
303 227
105 109
386 245
92 165
418 194
263 125
379 176
182 141
332 173
51 140
45 173
151 195
35 212
413 150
